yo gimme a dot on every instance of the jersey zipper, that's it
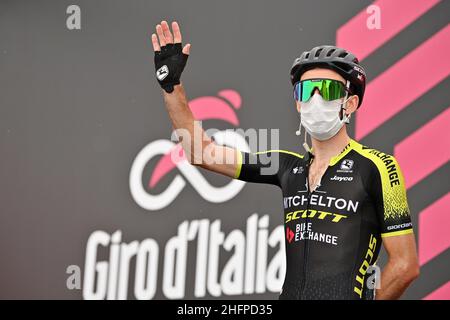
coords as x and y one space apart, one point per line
306 249
306 252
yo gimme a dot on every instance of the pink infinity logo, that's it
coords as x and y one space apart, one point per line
203 108
221 107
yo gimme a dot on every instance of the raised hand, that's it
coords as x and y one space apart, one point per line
170 56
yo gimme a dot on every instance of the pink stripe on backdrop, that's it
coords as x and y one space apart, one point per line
434 226
432 136
395 16
404 82
443 293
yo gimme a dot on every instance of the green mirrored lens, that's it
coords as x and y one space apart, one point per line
329 89
307 89
332 90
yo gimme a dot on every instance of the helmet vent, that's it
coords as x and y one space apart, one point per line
330 52
343 55
318 52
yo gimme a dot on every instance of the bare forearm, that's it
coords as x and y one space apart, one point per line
395 278
183 120
178 109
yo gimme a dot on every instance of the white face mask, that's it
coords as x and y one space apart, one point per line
320 118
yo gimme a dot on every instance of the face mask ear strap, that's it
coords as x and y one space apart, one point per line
299 132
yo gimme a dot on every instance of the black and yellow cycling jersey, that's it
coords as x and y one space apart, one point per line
334 233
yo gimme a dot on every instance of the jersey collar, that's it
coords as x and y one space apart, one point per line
335 159
351 145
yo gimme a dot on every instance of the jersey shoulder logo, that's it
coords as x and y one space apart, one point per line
297 170
346 164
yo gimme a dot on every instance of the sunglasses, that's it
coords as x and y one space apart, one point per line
329 89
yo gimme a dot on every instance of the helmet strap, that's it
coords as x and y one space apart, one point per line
305 143
343 104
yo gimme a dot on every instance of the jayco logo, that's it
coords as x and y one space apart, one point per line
208 107
337 178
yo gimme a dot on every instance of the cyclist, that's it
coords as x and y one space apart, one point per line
341 199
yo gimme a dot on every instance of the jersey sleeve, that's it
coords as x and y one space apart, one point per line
263 167
388 190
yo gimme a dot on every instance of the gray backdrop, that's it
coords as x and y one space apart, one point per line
77 106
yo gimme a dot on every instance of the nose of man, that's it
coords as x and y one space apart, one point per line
316 90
